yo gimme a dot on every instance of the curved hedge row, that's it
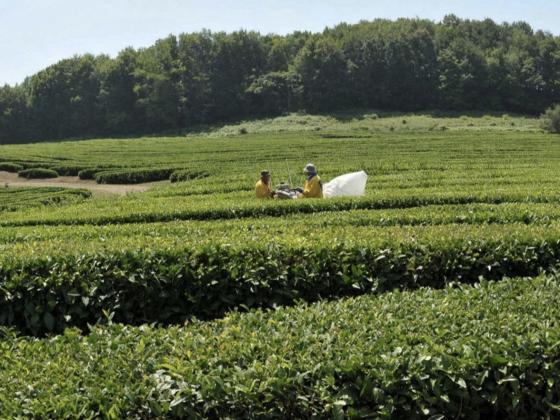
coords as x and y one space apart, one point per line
20 198
88 174
188 175
10 167
242 204
157 279
132 176
67 170
37 173
482 352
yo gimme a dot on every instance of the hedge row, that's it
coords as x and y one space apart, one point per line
25 198
489 351
144 208
10 167
37 173
88 173
364 227
132 176
51 285
188 175
67 170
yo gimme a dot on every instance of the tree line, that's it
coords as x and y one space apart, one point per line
211 77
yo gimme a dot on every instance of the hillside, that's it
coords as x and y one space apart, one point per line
205 78
433 295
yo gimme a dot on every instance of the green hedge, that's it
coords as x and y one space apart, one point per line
243 204
151 280
484 352
38 173
34 165
132 176
88 173
70 170
10 167
187 175
21 198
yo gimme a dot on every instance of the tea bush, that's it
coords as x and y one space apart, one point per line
132 176
152 273
441 208
89 173
187 175
26 198
10 167
37 173
63 170
489 351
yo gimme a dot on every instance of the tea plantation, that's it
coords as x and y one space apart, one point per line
433 296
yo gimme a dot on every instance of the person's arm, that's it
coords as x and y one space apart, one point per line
306 190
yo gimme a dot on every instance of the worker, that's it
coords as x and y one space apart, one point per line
262 189
313 186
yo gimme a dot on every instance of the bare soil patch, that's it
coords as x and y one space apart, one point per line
99 190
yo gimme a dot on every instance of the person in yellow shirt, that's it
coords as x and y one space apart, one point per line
262 189
313 186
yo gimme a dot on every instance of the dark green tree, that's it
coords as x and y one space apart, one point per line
195 54
63 98
117 99
157 77
274 93
15 124
205 77
463 76
238 58
283 50
323 71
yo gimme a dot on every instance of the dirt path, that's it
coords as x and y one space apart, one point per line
99 190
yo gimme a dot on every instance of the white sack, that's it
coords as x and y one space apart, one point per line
347 184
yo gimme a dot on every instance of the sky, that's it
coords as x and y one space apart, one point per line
35 34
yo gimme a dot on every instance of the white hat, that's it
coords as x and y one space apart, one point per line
309 168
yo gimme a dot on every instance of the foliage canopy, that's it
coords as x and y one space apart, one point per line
213 77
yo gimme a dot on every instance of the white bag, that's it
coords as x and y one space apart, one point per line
347 184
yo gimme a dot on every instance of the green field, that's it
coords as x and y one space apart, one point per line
433 296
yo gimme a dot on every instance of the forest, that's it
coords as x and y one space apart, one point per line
195 79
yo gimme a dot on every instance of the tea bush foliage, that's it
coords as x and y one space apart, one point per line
393 314
132 176
187 175
64 170
170 272
88 173
25 198
488 351
37 173
10 167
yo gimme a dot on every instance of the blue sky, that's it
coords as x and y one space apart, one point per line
38 33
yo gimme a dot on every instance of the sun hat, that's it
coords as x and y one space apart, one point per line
310 168
264 172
